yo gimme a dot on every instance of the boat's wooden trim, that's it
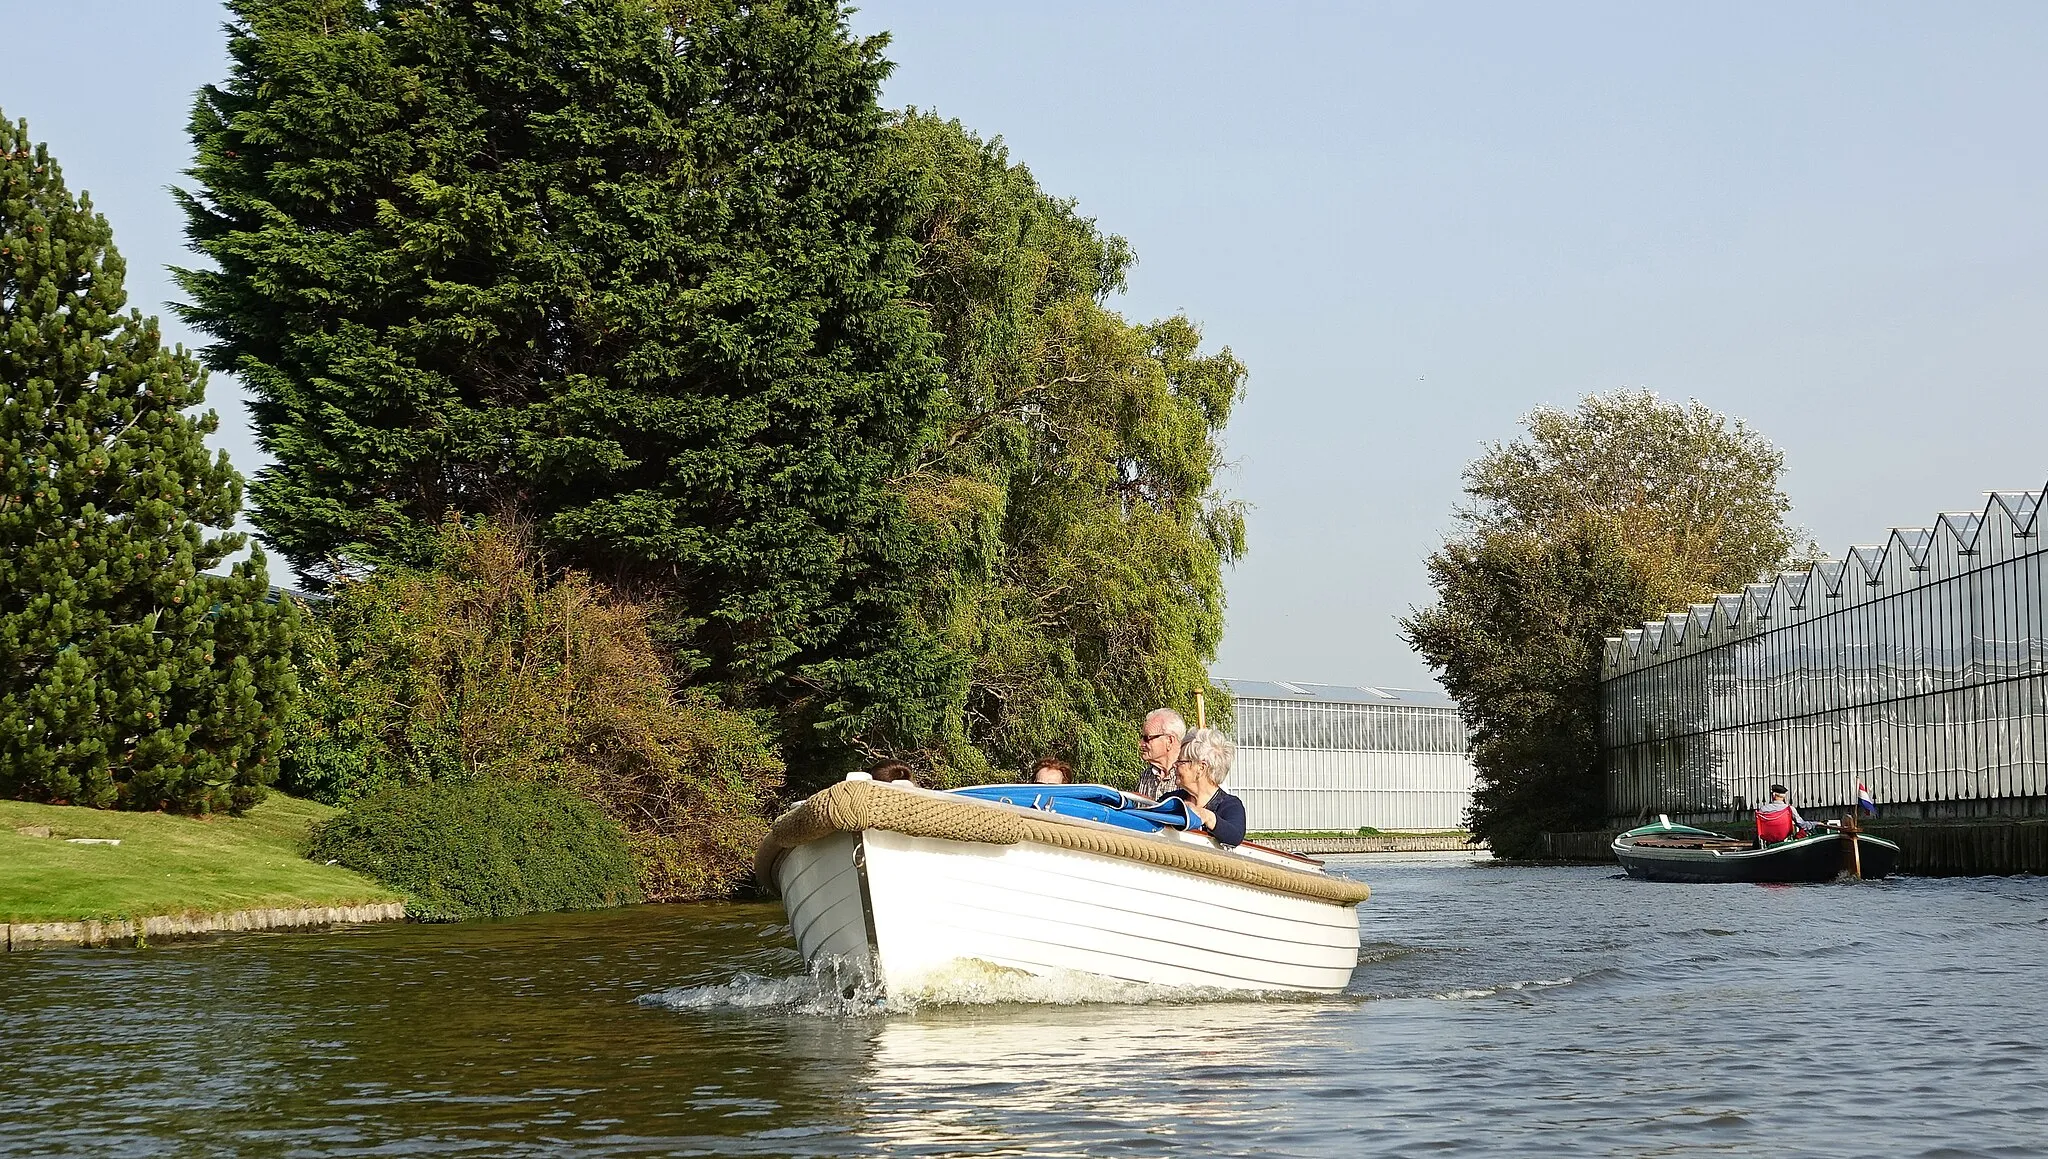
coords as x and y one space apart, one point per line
1287 853
867 901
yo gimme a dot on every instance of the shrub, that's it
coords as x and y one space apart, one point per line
477 849
485 667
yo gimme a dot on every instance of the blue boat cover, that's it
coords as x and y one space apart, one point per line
1093 803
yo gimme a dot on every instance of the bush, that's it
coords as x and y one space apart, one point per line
483 849
487 667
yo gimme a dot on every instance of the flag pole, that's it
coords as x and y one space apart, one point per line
1201 710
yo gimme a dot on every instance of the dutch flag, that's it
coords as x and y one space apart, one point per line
1864 800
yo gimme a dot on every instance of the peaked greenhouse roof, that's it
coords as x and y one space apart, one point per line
1910 557
1337 693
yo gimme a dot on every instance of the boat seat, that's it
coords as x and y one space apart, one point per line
1691 842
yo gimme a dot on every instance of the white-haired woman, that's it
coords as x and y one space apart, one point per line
1203 766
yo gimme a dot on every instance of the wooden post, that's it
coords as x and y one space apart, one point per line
1849 832
1201 710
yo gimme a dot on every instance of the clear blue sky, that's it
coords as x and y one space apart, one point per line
1415 222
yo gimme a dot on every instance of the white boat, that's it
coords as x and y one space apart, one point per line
900 884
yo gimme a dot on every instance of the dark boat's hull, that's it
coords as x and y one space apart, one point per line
1819 858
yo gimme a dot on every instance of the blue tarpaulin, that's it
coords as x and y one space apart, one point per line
1092 802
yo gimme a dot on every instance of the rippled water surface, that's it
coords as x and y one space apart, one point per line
1494 1011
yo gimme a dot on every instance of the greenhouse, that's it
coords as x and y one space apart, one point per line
1335 758
1917 667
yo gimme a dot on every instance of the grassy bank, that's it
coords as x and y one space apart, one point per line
167 865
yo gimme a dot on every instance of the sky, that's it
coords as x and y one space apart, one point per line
1415 223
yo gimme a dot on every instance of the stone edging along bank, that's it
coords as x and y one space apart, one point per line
29 935
1384 843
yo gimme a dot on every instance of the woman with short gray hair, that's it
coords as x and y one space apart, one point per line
1203 766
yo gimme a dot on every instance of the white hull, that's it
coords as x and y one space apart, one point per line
904 908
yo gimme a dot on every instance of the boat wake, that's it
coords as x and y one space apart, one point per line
1503 988
832 988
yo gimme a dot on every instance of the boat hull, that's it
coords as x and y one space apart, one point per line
1813 859
903 909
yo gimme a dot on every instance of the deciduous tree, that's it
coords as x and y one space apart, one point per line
1072 479
489 666
1599 518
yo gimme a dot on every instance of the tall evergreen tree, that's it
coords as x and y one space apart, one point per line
635 268
128 676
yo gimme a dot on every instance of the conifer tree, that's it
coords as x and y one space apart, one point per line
635 269
128 676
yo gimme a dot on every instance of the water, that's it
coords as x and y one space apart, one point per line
1497 1011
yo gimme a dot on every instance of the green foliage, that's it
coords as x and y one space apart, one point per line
129 677
1071 481
1601 518
1516 637
633 268
483 667
483 849
1693 495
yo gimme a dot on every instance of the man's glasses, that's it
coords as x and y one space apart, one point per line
1149 737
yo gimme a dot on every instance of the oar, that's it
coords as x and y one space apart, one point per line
1849 831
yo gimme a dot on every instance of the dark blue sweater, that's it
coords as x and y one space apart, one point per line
1229 827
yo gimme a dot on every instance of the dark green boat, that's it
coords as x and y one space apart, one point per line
1668 852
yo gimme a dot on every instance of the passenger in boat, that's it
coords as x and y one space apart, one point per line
1052 772
1160 743
1203 765
893 771
1777 820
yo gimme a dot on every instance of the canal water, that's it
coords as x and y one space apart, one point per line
1496 1011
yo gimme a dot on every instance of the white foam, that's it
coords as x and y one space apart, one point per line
832 988
1490 991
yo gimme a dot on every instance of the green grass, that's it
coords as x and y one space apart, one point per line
167 865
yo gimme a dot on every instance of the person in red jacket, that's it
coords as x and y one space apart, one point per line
1778 820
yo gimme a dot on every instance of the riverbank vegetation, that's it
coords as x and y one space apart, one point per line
483 848
486 666
1596 520
167 864
652 416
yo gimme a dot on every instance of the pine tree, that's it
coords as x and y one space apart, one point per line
128 676
634 269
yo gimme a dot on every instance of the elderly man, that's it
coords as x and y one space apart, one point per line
1160 745
1204 764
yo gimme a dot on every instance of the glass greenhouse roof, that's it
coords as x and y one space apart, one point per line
1337 693
1909 557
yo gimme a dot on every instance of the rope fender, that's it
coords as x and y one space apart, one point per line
851 806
